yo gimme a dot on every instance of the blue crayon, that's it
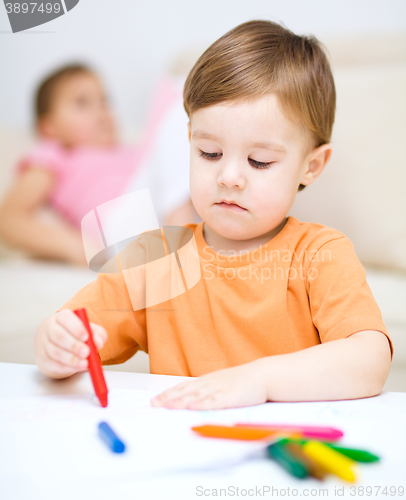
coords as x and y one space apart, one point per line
110 438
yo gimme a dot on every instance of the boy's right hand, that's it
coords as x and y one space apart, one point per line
59 346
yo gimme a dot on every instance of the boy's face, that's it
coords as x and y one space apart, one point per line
249 153
79 115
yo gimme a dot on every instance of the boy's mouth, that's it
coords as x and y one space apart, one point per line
231 205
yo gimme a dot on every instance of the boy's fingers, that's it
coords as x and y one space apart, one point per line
185 389
209 402
182 388
68 359
184 401
61 370
99 341
63 339
99 335
98 329
65 347
174 392
204 392
72 323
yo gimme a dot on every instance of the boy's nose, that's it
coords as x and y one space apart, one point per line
231 175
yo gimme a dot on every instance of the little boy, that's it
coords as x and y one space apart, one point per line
299 323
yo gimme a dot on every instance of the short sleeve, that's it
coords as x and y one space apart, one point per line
47 154
341 301
108 304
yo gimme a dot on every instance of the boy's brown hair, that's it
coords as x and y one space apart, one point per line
262 57
46 91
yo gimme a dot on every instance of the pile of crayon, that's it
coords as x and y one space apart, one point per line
303 451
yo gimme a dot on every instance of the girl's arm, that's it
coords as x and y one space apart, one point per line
21 227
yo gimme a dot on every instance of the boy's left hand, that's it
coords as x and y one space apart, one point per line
242 385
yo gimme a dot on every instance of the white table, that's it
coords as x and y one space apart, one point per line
377 424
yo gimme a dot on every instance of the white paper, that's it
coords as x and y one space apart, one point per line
51 443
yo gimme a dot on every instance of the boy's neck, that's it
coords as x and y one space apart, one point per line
219 243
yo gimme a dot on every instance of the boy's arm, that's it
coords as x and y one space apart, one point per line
354 367
21 227
349 368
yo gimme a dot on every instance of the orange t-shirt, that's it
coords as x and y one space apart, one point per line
304 287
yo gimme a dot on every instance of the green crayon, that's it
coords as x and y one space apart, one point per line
356 455
291 464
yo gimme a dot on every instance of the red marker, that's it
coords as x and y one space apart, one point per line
95 368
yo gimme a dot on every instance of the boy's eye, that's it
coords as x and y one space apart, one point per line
254 163
209 156
260 164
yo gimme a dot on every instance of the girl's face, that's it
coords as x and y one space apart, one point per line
247 153
80 115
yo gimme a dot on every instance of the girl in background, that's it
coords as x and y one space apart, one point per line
78 164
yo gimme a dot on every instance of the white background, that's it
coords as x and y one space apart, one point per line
132 42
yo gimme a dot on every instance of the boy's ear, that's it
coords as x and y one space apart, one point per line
189 128
315 163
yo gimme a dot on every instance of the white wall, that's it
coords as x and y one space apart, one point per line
131 41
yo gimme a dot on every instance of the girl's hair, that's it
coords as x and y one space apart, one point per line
261 57
46 90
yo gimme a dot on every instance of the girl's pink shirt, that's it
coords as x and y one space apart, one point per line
85 177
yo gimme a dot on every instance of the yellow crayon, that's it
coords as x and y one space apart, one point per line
331 460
